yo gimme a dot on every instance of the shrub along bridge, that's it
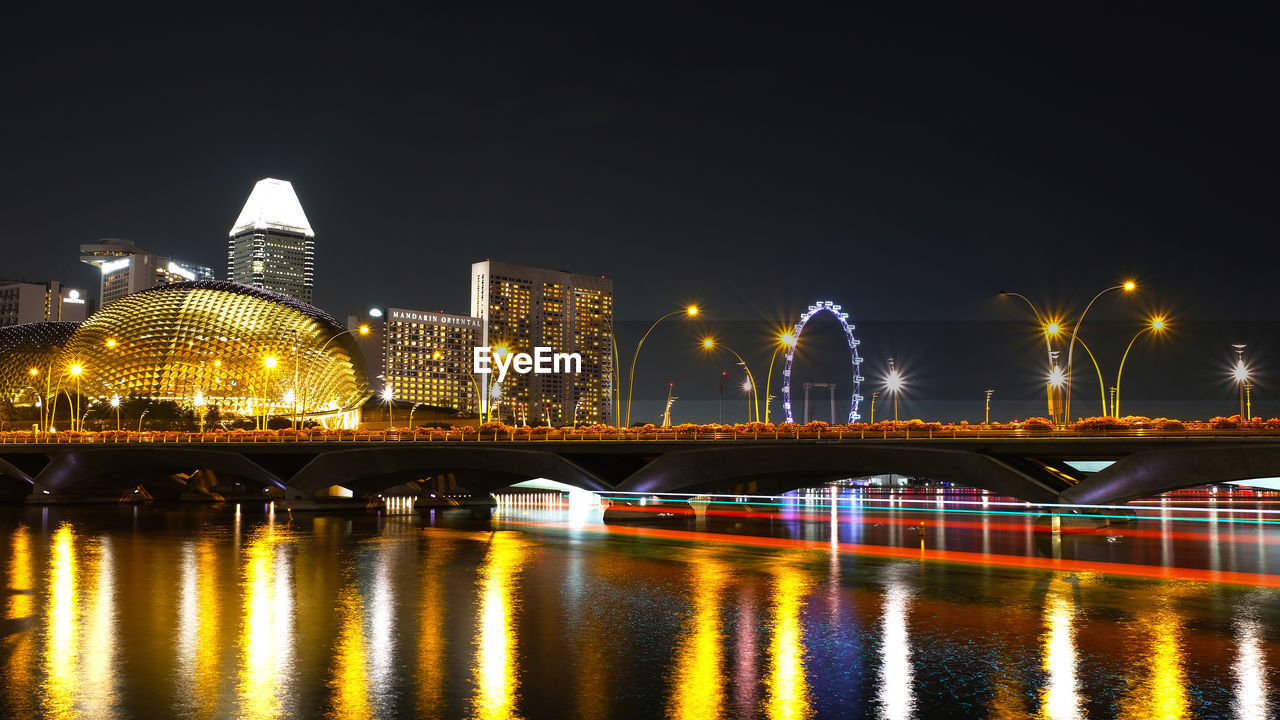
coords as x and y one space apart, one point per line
1040 467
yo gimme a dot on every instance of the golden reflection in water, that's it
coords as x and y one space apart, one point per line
432 641
350 681
266 629
1250 670
1060 697
98 672
698 678
20 574
496 679
895 695
62 646
1162 693
786 686
199 603
19 646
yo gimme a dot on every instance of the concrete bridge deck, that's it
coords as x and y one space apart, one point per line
1032 467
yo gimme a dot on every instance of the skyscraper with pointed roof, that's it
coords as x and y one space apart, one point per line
272 245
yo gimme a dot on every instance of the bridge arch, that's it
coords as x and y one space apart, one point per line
855 359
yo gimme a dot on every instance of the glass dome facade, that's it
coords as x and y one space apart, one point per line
245 350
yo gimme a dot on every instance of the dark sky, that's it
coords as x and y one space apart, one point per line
907 167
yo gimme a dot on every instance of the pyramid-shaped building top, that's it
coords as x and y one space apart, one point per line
273 205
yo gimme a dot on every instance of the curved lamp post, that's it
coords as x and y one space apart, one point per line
1156 325
690 311
306 392
711 344
1127 286
788 340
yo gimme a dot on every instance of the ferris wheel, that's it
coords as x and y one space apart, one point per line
825 306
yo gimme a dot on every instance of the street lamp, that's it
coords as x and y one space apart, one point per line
786 339
893 385
388 396
269 362
874 394
1156 325
306 387
986 419
1240 373
746 391
115 403
75 371
1127 286
709 343
415 407
690 311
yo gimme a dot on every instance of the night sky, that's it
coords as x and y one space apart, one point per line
908 168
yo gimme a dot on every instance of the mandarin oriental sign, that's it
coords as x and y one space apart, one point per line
435 318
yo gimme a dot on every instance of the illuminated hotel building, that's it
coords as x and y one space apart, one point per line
425 356
127 269
29 302
526 307
271 244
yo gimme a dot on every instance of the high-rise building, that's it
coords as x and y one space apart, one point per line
421 356
272 245
29 302
127 268
526 307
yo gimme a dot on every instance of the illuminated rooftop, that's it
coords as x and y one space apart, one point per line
273 205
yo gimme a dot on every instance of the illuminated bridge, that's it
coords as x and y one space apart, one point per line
1068 469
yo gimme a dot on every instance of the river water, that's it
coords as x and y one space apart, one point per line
180 611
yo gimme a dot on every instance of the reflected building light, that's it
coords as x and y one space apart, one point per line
1250 670
61 648
20 587
746 664
265 641
381 621
786 685
496 679
432 643
1162 694
350 682
895 696
1060 697
19 667
98 670
698 677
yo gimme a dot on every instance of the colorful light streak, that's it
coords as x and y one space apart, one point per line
1154 572
820 502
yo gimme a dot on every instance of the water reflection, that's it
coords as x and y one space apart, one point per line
350 681
199 648
895 696
62 646
21 646
786 685
496 680
1161 692
1060 696
266 638
98 669
432 641
1250 669
698 678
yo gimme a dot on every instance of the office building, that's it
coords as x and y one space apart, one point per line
31 302
127 268
526 307
421 356
271 244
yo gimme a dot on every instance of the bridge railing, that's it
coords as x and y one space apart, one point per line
425 435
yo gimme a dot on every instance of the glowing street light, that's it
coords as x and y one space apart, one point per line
388 396
709 344
786 339
306 393
1240 374
893 384
75 371
1126 286
1155 325
199 402
688 311
115 403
